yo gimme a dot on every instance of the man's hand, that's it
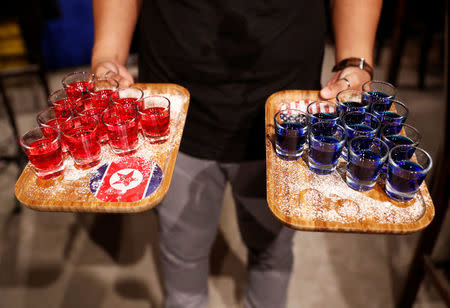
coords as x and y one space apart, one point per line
355 77
115 71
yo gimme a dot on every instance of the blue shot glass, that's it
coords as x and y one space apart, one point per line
406 173
366 157
359 124
395 116
352 100
379 92
326 141
323 111
394 135
291 131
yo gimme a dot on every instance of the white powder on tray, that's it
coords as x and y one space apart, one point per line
73 185
301 194
306 195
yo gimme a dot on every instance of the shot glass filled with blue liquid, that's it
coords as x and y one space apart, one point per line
323 111
352 100
359 124
377 91
406 173
291 131
395 116
366 156
394 135
326 141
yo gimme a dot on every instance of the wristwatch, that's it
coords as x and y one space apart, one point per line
358 62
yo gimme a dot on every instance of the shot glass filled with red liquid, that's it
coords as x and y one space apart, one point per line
51 118
154 113
60 100
122 126
76 84
44 151
102 88
94 107
80 134
127 96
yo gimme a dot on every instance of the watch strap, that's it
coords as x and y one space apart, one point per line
357 62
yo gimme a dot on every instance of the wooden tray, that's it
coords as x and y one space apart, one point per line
71 192
304 200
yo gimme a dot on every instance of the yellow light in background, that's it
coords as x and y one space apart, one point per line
12 46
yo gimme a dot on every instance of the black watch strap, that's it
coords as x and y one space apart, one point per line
358 62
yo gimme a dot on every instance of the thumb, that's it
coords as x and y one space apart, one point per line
124 82
125 73
103 68
332 89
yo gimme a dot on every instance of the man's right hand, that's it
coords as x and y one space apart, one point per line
114 70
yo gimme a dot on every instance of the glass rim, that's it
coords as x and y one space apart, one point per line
139 104
397 102
116 83
426 170
360 113
81 100
394 89
135 118
30 131
337 105
350 148
299 111
56 92
348 91
311 134
76 118
416 143
64 83
52 108
127 89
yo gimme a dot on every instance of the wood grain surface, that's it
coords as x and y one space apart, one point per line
304 200
71 192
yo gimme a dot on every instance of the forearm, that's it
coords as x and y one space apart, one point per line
114 23
355 24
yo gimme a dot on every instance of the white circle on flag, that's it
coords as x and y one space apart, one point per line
126 179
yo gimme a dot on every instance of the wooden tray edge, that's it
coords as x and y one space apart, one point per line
418 225
100 207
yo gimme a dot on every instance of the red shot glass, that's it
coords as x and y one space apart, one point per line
44 151
127 96
80 135
94 107
154 116
102 88
76 84
52 117
123 129
60 100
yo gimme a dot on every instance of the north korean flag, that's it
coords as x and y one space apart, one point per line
126 180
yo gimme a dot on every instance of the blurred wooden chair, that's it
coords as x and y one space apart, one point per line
422 262
21 25
426 20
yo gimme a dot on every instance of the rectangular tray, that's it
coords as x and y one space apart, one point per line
304 200
71 192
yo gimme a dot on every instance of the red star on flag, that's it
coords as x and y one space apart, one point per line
125 179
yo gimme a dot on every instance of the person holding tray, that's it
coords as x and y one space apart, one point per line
230 55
